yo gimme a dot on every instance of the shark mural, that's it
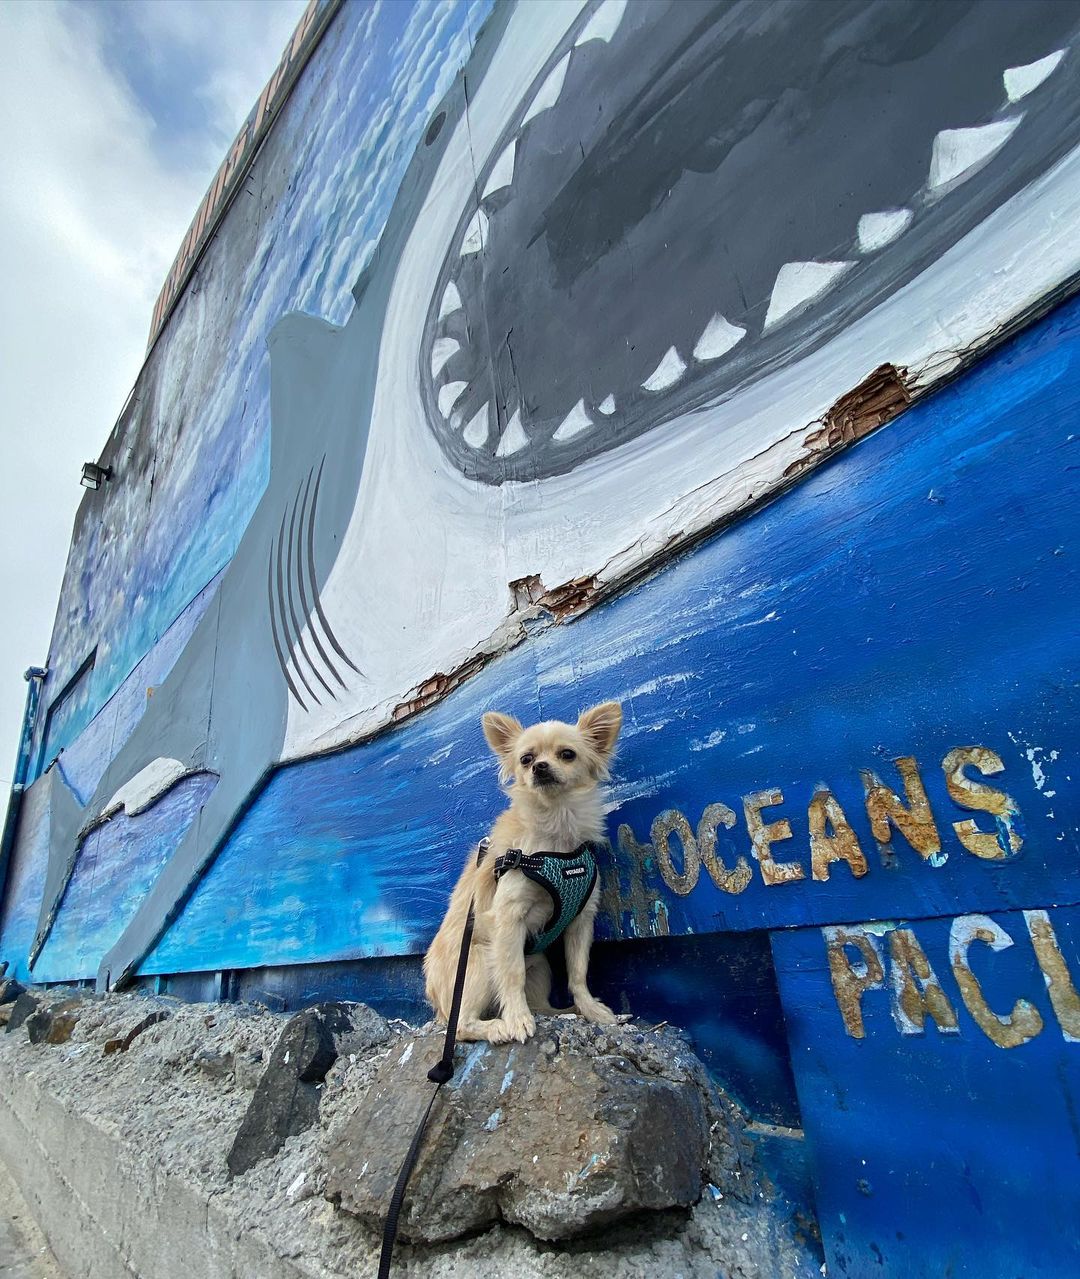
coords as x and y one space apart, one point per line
538 372
588 154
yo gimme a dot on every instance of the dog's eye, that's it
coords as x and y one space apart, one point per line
567 754
527 760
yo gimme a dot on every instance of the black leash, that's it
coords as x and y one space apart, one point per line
442 1072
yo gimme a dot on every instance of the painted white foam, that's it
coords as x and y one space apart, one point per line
451 301
475 234
876 230
1020 81
449 396
441 351
717 338
959 153
604 22
607 405
146 787
799 283
576 421
503 172
548 93
666 373
514 438
476 432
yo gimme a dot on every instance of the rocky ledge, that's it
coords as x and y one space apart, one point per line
586 1151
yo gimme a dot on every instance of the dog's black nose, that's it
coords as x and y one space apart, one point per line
541 768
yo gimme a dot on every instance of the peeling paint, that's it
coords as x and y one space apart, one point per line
916 991
1059 983
850 980
573 597
1008 1030
914 820
877 399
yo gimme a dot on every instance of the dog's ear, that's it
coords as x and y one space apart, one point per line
600 725
501 731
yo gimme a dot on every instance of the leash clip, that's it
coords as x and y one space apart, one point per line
442 1072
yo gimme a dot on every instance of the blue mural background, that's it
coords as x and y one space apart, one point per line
916 594
117 866
939 1154
802 645
903 567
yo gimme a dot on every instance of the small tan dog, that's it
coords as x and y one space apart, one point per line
555 806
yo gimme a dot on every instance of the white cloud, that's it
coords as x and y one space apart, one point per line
91 214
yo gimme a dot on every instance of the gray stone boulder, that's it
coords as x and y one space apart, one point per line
574 1130
24 1006
10 990
54 1023
286 1098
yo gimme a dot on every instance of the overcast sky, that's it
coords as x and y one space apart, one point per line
117 114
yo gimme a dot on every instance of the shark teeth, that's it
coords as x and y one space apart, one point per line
717 338
513 438
666 373
576 421
449 396
1020 81
475 234
798 284
876 230
548 93
476 432
604 22
441 351
451 301
958 153
502 173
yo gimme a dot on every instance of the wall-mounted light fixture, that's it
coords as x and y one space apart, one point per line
93 474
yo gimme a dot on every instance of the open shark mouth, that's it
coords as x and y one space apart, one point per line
690 195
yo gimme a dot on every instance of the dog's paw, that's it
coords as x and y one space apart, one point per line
506 1030
593 1010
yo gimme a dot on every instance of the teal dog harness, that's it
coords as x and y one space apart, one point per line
568 877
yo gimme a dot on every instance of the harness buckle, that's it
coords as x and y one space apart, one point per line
512 859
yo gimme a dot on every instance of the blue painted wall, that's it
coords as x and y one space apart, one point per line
915 595
940 1154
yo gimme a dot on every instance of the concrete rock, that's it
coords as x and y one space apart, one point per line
218 1065
571 1131
10 990
25 1006
54 1023
286 1099
367 1029
121 1043
248 1069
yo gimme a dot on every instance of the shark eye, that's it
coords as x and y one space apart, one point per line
567 754
527 759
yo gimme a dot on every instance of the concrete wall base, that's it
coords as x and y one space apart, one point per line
107 1212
